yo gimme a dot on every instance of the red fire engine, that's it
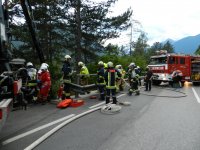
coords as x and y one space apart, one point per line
165 63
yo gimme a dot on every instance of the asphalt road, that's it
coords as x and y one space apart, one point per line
163 119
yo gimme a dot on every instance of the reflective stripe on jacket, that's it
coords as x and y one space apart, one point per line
110 78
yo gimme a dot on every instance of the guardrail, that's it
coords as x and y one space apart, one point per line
81 89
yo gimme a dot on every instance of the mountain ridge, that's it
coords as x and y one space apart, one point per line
186 45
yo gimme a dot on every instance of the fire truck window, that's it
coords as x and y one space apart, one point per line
182 60
176 60
171 60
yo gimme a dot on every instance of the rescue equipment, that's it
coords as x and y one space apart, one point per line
64 103
76 103
110 109
70 102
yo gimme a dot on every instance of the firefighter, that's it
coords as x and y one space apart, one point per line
118 79
123 73
147 79
32 81
84 73
101 80
138 71
120 82
105 66
66 77
177 77
45 80
40 70
133 79
110 78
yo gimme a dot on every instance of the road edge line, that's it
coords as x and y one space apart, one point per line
36 129
196 95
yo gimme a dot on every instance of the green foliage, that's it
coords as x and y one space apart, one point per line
140 45
77 26
197 52
169 47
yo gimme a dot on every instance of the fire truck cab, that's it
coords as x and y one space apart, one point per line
163 65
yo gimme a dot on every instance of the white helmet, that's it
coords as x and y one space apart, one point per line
117 66
44 67
120 66
132 65
29 64
100 63
80 63
67 57
110 64
45 64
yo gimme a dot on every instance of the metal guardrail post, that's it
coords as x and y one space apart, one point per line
78 82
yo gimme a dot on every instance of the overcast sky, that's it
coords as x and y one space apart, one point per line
163 19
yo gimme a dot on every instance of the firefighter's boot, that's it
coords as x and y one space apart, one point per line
107 99
137 92
114 100
130 92
102 97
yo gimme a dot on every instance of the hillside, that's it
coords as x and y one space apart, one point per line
187 45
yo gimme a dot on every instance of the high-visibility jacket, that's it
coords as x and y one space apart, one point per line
123 72
110 78
84 71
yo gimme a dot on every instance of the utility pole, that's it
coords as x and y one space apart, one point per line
31 29
78 32
131 40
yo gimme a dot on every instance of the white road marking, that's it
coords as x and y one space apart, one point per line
91 107
58 127
36 129
99 104
196 95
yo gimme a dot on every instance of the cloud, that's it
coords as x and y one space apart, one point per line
161 19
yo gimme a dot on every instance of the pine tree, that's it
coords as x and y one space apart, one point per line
92 26
169 47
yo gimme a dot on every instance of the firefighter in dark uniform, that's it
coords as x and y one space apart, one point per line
148 78
32 81
101 80
110 78
67 73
